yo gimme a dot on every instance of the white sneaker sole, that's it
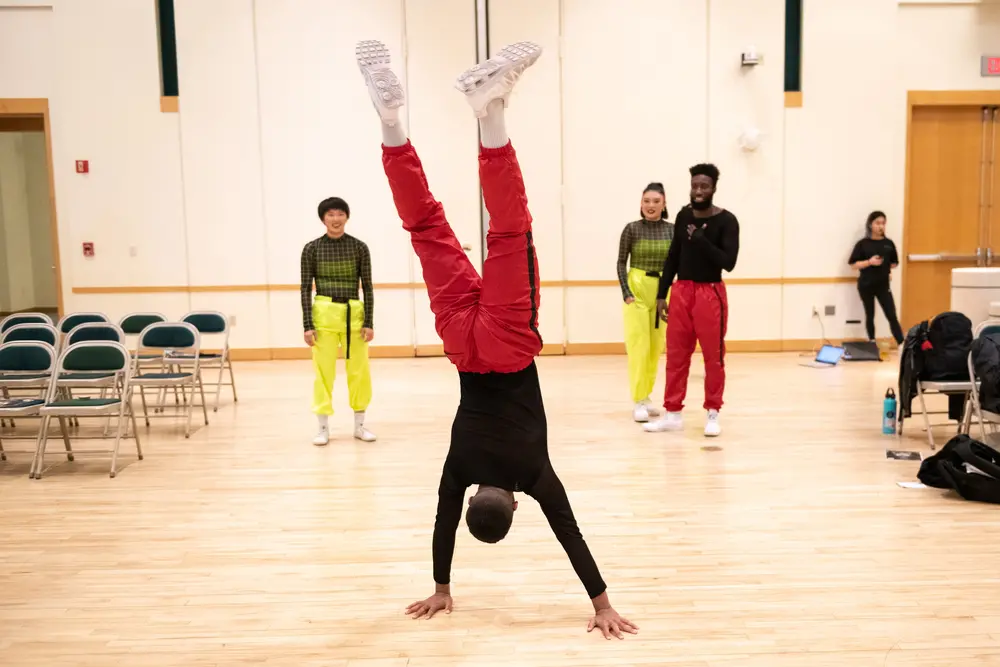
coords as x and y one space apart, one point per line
364 436
656 427
495 78
383 84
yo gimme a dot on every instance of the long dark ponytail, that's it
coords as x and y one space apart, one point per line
656 187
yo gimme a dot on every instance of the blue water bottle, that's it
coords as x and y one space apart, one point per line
889 413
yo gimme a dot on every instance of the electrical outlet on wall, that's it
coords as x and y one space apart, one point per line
815 312
831 310
232 320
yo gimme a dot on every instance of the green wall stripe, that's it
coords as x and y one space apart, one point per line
168 48
793 46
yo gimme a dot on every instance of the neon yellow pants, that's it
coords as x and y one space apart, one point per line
330 321
644 342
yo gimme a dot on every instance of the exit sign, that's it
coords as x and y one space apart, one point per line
991 66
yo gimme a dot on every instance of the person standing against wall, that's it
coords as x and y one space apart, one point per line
642 251
874 257
337 262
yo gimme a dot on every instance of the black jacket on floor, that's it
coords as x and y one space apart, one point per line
966 466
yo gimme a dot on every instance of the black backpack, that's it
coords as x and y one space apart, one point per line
946 348
966 466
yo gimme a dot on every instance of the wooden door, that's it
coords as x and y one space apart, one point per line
991 173
945 225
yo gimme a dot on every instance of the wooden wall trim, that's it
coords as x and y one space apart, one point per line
954 98
22 124
165 289
26 106
553 349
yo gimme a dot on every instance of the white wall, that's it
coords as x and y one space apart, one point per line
274 117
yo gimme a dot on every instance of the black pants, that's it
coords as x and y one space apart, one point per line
881 292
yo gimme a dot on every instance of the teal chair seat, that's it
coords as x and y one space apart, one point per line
83 403
162 376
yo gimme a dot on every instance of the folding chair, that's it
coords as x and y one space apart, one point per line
213 323
987 328
173 337
35 331
92 331
73 320
133 324
97 363
40 332
26 364
24 318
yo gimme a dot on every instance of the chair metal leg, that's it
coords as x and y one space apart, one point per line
201 390
36 463
927 421
135 432
145 410
218 386
188 409
232 378
65 437
118 438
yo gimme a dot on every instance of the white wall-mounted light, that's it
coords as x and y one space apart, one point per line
750 139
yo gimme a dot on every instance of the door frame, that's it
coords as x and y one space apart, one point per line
931 98
28 109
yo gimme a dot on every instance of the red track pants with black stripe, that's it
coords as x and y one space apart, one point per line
699 313
488 323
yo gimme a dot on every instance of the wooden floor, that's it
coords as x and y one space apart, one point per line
786 544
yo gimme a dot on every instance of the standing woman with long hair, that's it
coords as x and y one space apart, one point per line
641 252
874 257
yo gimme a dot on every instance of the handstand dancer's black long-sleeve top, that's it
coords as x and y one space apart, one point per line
499 438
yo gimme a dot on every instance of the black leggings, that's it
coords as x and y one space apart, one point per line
881 292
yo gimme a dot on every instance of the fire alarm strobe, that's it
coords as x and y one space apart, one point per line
83 166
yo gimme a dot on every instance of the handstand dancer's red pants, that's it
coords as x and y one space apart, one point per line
489 323
698 313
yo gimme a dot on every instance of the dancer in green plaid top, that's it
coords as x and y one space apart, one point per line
641 252
337 263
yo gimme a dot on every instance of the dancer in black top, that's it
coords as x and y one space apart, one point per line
489 327
874 257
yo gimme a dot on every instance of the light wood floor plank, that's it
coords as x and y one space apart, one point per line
784 543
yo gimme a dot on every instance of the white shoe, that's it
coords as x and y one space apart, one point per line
672 421
383 84
651 409
640 413
363 434
322 437
495 78
712 426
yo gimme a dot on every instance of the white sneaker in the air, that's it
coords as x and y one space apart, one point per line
672 421
495 78
322 436
651 409
712 426
640 413
383 84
